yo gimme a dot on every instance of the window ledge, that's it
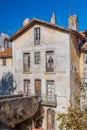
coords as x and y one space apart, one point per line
50 72
37 45
26 72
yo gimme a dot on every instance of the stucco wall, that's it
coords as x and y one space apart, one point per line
51 40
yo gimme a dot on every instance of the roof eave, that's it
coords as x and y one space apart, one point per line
10 56
40 22
24 29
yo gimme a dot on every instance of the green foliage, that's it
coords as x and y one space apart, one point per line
74 119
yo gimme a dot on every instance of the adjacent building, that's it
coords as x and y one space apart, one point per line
6 65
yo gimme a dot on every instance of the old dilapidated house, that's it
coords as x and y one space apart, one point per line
46 59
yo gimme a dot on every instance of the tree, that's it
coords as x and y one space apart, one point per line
74 119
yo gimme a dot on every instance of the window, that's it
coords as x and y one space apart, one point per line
85 82
85 58
37 36
4 61
50 87
37 57
27 86
49 61
50 119
50 91
38 86
6 45
26 62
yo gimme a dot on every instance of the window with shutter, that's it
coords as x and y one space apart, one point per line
38 86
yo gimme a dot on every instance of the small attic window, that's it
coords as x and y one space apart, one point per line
37 35
6 44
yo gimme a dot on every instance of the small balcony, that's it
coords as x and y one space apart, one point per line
49 100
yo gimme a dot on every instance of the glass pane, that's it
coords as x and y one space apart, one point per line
27 86
26 62
49 61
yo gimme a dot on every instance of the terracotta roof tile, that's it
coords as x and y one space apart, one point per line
82 33
6 53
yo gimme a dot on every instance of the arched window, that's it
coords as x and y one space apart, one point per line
50 119
6 44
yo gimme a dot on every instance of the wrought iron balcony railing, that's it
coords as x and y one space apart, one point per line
49 100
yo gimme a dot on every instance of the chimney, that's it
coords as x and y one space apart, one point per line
53 19
73 22
26 21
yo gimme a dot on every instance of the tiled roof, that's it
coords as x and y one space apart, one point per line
84 47
82 33
6 53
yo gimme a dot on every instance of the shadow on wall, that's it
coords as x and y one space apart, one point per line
7 84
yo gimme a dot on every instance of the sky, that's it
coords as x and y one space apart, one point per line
13 12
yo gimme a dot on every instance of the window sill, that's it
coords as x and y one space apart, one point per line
37 45
26 72
50 72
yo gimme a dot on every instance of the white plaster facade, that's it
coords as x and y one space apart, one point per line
60 43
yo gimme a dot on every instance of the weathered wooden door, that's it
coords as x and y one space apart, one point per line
38 86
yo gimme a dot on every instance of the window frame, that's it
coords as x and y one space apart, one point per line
36 59
85 82
4 61
6 44
50 119
37 36
50 82
51 63
27 88
38 81
85 59
26 64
